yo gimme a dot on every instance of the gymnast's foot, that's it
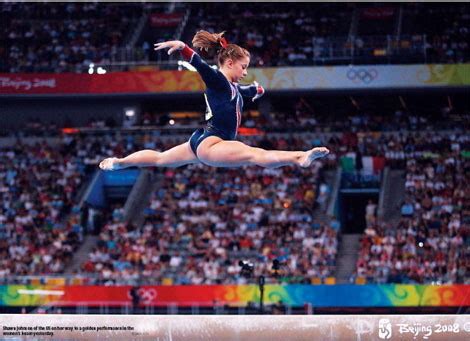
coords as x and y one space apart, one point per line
313 154
110 164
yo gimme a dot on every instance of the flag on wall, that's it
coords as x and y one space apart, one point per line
348 162
371 164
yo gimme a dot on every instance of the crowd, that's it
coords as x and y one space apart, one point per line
68 37
378 114
41 222
296 35
430 242
276 35
62 37
202 221
446 29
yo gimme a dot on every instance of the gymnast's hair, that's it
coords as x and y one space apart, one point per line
204 40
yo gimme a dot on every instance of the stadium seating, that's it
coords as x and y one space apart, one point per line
40 219
430 242
56 37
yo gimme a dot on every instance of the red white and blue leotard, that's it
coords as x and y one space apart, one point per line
224 101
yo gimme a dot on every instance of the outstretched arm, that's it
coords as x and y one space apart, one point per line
253 91
213 79
172 45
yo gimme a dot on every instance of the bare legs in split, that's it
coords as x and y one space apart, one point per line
214 151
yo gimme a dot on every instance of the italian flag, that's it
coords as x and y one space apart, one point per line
348 162
373 164
370 164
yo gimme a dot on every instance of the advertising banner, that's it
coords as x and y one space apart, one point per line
165 19
378 13
283 78
109 83
361 77
392 295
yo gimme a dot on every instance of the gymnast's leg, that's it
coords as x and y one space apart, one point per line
216 152
175 157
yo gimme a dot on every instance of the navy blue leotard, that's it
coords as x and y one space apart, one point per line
224 101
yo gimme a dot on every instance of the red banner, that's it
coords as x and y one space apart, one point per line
109 83
165 19
203 295
378 13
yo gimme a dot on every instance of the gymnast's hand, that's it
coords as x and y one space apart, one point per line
172 44
110 164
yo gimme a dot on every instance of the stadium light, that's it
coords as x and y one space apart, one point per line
129 112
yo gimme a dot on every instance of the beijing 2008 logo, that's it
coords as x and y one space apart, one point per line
362 75
385 329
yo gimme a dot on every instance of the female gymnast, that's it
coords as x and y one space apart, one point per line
215 144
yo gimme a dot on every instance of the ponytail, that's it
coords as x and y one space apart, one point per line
204 40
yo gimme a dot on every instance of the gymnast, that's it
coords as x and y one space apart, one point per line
215 144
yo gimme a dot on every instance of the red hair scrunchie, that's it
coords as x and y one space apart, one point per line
223 42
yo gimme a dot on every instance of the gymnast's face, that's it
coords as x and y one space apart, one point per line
238 68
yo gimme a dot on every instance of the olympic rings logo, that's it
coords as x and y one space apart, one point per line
362 75
146 295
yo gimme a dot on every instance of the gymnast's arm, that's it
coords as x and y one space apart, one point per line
213 79
253 91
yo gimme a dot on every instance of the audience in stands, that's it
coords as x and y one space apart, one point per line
446 30
276 35
430 242
63 37
68 37
40 220
201 221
